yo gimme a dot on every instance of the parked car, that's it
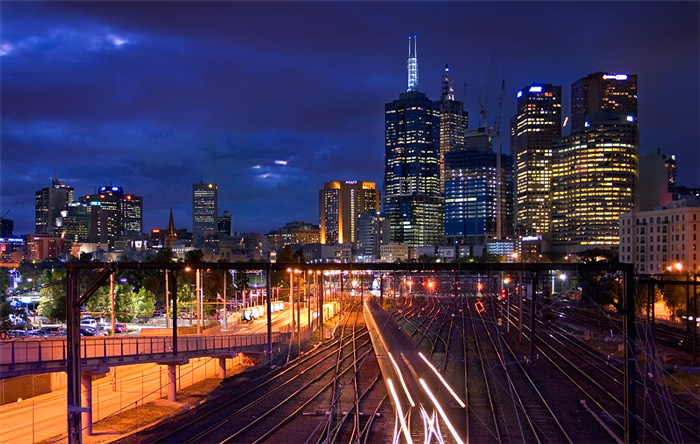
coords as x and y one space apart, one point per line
120 328
17 333
89 331
88 322
54 330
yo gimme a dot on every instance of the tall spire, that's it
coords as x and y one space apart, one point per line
171 235
448 93
412 64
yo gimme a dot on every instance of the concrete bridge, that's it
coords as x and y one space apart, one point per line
33 356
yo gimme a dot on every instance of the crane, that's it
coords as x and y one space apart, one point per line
485 93
499 175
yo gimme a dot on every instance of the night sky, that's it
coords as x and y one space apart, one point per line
271 100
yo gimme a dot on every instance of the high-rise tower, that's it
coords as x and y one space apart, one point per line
534 128
340 206
412 200
453 123
593 183
205 210
49 202
113 214
615 93
472 182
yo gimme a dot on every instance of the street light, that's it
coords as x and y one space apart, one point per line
562 277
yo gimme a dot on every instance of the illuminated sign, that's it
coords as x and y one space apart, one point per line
630 118
350 182
535 89
94 204
12 240
520 94
531 238
615 76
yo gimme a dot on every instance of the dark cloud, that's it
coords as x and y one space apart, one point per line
155 96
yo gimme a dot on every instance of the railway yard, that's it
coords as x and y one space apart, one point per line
566 387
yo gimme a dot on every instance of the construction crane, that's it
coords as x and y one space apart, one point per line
499 172
485 93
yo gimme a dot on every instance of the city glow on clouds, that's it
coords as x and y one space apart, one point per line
58 40
5 49
271 103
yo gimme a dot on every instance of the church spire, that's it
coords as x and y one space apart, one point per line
171 235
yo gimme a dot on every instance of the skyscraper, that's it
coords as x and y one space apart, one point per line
224 223
49 202
372 232
534 128
471 191
113 214
340 206
412 200
132 214
594 176
453 123
205 207
616 93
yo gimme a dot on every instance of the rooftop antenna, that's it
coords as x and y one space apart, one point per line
412 64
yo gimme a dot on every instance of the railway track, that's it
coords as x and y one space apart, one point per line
600 382
304 401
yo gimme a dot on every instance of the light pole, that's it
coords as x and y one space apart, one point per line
198 293
562 277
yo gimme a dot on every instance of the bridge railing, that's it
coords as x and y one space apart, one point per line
40 351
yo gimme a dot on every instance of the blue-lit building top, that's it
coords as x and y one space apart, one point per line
472 196
412 200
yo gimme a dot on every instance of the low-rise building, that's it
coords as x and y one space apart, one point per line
654 240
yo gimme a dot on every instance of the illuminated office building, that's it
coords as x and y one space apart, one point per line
615 93
534 128
49 202
453 123
75 223
594 177
412 200
113 214
205 207
471 191
372 232
340 206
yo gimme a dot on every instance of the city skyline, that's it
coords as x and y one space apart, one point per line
271 106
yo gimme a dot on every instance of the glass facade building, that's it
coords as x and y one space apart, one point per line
412 200
340 206
471 191
453 123
48 204
615 93
534 128
594 177
205 201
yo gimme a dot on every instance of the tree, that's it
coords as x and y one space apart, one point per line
144 302
52 302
